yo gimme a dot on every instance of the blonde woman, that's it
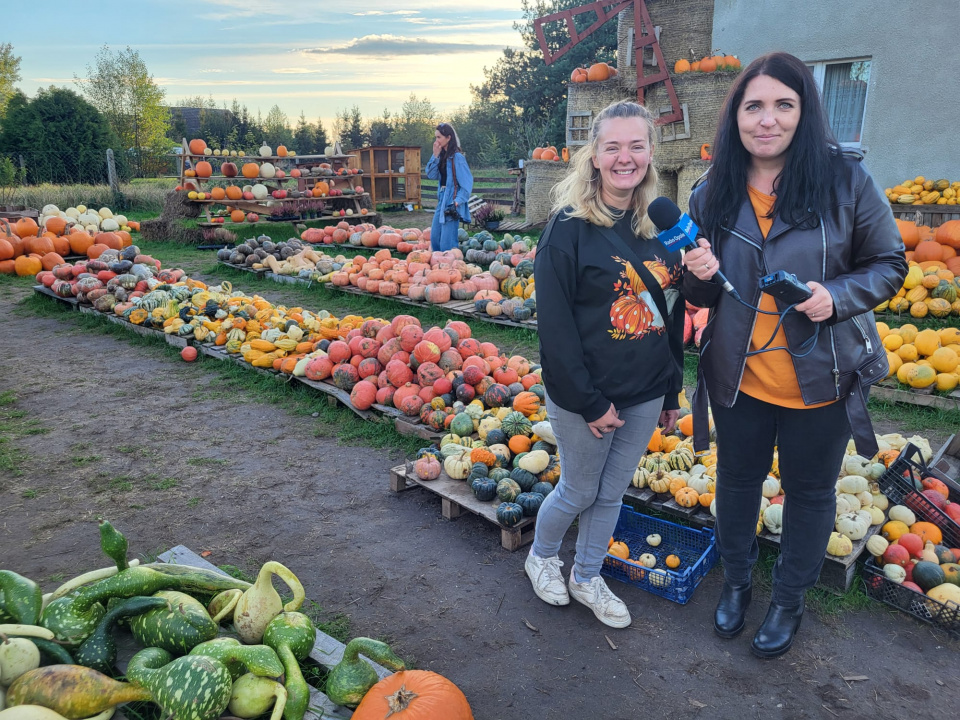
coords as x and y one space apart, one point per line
610 348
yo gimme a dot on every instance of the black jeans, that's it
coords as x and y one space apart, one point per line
810 444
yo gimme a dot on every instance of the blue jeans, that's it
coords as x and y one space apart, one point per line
811 443
594 475
443 232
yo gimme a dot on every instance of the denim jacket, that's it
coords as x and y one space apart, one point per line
446 195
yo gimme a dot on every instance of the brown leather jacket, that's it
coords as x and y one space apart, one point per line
855 252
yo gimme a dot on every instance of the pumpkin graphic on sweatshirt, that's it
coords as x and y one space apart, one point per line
634 313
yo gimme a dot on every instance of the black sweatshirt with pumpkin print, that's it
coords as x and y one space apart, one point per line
602 338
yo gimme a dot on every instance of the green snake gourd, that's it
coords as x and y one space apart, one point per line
113 544
177 628
292 635
258 660
351 678
192 687
99 651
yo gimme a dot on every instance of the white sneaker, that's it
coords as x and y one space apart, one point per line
609 609
547 581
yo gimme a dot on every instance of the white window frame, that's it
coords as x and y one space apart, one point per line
819 70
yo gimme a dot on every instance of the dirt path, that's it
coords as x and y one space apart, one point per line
156 446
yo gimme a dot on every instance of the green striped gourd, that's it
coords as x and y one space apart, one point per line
681 459
192 687
654 462
99 651
177 630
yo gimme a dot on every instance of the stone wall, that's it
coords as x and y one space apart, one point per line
541 176
590 97
686 31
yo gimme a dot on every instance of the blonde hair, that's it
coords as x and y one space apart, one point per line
579 191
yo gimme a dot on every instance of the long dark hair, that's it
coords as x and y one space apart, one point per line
453 147
803 187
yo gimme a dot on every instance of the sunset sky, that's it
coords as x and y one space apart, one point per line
316 56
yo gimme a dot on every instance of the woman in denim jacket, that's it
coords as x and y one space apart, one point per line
448 162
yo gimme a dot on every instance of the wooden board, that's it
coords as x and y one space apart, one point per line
456 496
889 390
327 651
44 290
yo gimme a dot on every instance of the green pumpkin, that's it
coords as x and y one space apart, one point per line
509 514
544 488
517 458
516 423
539 391
945 290
522 313
498 473
508 489
524 478
497 437
479 469
928 575
530 503
543 445
462 425
485 489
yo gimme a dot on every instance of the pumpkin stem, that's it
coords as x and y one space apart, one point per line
400 700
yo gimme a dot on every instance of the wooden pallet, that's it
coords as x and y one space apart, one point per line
519 225
891 391
837 575
456 496
327 651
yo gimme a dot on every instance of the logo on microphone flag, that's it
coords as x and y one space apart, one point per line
680 235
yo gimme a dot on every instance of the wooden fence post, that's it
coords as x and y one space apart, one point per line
112 172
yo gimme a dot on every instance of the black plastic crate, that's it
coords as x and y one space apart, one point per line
945 616
901 483
696 548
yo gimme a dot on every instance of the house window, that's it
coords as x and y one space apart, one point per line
578 128
843 87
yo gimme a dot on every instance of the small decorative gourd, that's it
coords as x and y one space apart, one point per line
840 545
261 603
351 678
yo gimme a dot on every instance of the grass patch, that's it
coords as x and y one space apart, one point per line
15 423
31 494
914 418
238 573
165 484
81 460
194 502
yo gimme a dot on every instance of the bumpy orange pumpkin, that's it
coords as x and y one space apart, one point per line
526 402
414 695
619 549
687 497
482 454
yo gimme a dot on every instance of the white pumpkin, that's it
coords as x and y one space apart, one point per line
654 540
260 192
852 525
853 502
876 515
865 498
903 514
121 219
852 483
105 212
109 225
81 209
764 503
458 466
266 150
699 482
773 519
880 500
855 465
267 170
91 228
543 430
877 545
893 441
713 507
49 209
895 573
72 212
535 461
328 150
647 560
771 487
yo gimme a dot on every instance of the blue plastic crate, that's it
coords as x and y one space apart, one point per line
696 548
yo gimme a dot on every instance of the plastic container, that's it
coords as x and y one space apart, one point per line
696 548
945 616
901 484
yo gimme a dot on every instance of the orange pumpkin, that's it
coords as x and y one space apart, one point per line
578 75
947 234
681 66
250 170
56 225
927 250
8 267
656 441
204 169
80 242
38 245
237 216
234 193
519 444
908 233
27 265
51 260
125 239
111 240
96 250
708 64
414 695
218 193
25 227
927 531
731 62
61 244
281 151
6 250
198 146
598 72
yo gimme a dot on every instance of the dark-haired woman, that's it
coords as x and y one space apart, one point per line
782 195
449 168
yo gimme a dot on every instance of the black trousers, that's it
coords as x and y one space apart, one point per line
810 444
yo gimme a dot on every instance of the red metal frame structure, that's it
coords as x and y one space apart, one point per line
643 36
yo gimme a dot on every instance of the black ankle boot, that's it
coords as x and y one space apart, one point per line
729 619
776 634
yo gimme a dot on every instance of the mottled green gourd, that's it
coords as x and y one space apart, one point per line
351 678
113 544
257 660
99 651
73 691
192 687
74 617
20 598
177 629
292 635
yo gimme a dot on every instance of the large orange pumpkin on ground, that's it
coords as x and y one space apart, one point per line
61 244
39 245
111 240
56 225
96 250
27 265
414 695
8 267
6 250
51 260
80 242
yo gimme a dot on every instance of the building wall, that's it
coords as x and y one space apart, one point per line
912 94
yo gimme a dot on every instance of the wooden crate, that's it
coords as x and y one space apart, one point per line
456 496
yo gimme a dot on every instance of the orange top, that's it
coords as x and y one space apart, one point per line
770 376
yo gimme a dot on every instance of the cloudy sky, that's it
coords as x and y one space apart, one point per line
316 56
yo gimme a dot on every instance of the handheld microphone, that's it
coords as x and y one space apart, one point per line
677 230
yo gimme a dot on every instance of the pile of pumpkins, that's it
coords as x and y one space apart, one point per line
912 553
26 250
550 152
920 191
597 72
932 284
403 240
511 461
718 62
922 358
